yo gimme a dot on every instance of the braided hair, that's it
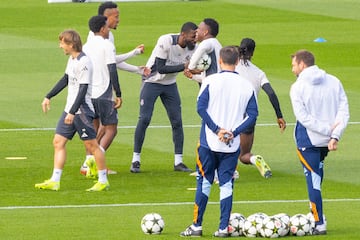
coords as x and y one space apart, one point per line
246 50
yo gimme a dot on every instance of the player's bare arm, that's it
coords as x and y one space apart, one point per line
45 105
118 102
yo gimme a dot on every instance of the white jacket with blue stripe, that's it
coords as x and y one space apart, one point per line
320 106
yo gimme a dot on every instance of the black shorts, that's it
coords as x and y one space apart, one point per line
105 111
83 125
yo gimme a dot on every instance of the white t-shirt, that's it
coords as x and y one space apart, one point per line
101 52
252 73
212 47
167 48
79 71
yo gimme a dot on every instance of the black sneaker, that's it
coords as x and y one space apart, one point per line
189 232
135 167
182 168
221 234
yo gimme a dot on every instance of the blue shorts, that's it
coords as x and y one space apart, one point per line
105 111
83 125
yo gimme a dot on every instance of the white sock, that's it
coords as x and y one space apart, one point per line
56 176
253 159
136 157
196 228
86 158
102 176
178 159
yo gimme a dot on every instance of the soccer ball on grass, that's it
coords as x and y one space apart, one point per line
152 223
273 227
285 219
253 224
236 223
300 225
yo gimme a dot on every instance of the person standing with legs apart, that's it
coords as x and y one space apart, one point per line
322 113
227 106
258 79
78 114
169 57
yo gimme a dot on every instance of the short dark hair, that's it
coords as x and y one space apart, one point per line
71 37
97 22
246 49
213 25
188 26
229 55
106 5
304 55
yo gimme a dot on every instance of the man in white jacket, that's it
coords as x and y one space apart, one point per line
321 109
227 105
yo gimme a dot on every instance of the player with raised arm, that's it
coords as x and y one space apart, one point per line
257 77
111 11
78 113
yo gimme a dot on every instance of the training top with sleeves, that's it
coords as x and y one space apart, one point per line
121 58
102 54
258 79
226 100
167 60
251 72
319 102
212 47
78 77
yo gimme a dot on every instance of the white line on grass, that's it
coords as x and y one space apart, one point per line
171 204
151 126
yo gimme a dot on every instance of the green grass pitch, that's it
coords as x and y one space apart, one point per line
31 62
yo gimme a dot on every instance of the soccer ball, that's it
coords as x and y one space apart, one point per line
273 227
285 218
253 224
258 219
300 225
204 62
236 223
152 223
310 216
249 229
